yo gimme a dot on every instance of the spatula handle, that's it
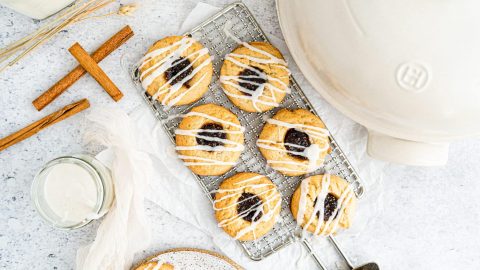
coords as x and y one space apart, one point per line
338 248
314 256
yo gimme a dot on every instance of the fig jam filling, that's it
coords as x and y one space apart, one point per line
253 77
178 66
247 206
299 138
211 130
329 206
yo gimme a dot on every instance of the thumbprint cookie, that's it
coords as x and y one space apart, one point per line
209 139
294 142
155 266
255 77
247 205
323 203
176 70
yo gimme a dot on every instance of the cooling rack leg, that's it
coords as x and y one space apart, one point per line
314 256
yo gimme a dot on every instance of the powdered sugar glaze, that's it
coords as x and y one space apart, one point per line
312 153
175 51
272 203
265 93
332 224
227 145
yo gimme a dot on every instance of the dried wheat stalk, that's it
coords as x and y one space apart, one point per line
77 12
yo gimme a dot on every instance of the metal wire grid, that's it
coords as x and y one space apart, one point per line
211 35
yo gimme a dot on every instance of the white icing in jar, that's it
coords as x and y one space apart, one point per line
37 9
71 191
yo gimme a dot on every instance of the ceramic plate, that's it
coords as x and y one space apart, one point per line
194 259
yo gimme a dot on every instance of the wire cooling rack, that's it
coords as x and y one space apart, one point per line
210 33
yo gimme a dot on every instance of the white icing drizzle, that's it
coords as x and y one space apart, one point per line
228 145
208 161
316 132
220 148
174 88
312 153
157 266
261 90
271 196
319 207
158 69
342 201
214 119
303 200
179 97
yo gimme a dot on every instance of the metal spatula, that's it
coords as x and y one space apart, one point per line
367 266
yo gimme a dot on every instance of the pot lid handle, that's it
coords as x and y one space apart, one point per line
385 147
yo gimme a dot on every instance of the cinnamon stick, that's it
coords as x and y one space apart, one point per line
95 71
43 123
103 51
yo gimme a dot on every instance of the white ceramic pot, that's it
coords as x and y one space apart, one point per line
407 70
37 9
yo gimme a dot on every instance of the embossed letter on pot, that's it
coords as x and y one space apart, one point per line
405 70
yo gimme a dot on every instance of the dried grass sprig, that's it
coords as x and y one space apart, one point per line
79 11
127 10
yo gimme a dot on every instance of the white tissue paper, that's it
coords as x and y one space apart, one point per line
172 183
125 229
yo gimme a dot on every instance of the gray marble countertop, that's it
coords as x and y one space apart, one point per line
431 215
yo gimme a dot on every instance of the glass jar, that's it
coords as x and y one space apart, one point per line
71 191
37 9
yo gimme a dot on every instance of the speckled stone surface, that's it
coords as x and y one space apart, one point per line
431 215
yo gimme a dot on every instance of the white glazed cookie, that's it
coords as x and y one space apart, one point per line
209 139
155 266
294 142
247 206
176 70
323 203
255 77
